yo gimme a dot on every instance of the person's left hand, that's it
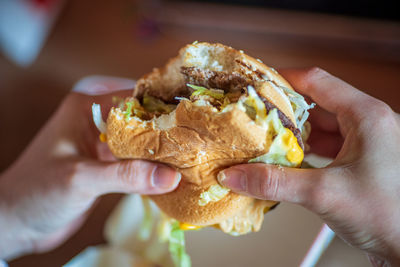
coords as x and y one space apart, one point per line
46 193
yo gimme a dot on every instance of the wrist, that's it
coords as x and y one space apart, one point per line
380 262
12 244
14 239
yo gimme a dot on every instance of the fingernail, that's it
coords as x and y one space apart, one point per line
233 178
164 177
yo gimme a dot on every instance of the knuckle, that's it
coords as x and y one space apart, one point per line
126 172
136 175
315 72
379 116
327 190
270 184
383 112
317 196
76 177
313 77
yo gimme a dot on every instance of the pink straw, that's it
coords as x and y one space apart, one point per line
318 247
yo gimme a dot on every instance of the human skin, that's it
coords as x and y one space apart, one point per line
47 193
358 194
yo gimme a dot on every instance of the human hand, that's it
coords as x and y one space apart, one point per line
46 194
358 194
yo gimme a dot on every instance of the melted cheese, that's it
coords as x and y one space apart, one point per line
294 153
213 194
248 220
187 226
284 149
103 137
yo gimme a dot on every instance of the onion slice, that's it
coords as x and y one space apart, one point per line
301 106
98 119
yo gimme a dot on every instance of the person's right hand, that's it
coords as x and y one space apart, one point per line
358 194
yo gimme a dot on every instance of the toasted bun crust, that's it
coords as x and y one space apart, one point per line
168 82
197 140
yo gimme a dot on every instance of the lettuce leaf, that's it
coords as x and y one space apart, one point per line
147 221
177 247
133 108
200 90
170 230
128 110
153 104
213 194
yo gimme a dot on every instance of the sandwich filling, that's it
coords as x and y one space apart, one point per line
285 142
285 145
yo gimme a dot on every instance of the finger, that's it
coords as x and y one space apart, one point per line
328 91
103 152
57 238
325 144
80 105
127 176
271 182
78 110
99 85
321 119
102 90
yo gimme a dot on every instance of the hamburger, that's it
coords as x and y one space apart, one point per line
209 108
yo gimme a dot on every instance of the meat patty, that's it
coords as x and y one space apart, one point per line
234 82
286 122
229 82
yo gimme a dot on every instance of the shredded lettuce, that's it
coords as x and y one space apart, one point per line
128 110
133 108
150 104
169 230
283 149
277 153
164 228
98 119
213 194
177 247
300 106
153 104
273 121
147 222
200 90
180 98
255 107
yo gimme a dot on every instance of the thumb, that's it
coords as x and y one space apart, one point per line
127 176
270 182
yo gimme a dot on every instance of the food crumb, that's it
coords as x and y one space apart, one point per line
103 138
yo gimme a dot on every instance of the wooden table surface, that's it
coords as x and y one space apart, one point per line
127 40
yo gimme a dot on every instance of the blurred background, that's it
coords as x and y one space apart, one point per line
48 45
